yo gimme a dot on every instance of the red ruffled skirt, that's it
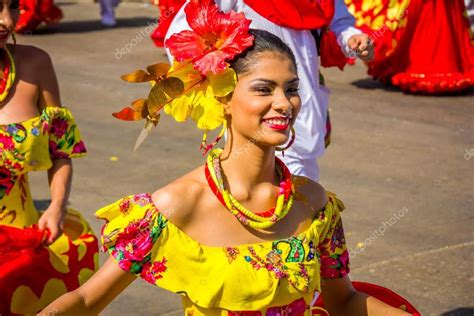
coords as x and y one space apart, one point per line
35 12
422 46
32 275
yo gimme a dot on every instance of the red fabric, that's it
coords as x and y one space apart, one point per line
305 15
296 14
379 292
330 51
168 10
24 261
35 12
433 53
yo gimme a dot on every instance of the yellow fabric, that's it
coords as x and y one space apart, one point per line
32 145
216 280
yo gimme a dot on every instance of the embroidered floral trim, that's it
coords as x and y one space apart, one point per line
231 253
133 245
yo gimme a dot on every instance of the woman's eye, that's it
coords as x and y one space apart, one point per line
293 90
262 90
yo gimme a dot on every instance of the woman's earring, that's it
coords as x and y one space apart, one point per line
14 39
292 140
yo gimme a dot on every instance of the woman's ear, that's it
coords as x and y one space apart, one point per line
226 101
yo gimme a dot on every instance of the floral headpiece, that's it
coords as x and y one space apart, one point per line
199 75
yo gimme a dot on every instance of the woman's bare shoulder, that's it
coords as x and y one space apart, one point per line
29 54
314 193
177 199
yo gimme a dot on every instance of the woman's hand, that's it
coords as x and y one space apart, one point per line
340 298
53 220
363 46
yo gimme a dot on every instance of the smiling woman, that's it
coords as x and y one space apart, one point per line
239 235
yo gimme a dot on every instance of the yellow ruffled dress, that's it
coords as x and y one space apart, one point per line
32 145
279 277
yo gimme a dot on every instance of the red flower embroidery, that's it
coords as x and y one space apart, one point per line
152 271
216 37
124 205
6 143
6 182
79 148
55 152
135 242
336 266
142 199
59 127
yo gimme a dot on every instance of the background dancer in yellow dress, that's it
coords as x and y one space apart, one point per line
36 134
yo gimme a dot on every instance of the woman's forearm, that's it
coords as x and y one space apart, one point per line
71 303
60 178
361 304
376 307
94 295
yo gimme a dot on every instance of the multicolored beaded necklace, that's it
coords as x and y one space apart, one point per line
8 74
260 220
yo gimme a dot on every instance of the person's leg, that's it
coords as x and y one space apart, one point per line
107 12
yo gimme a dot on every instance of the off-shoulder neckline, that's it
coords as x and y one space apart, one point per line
38 116
265 243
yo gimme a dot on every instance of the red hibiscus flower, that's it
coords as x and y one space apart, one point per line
216 37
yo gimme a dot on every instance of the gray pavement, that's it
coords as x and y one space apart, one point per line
398 161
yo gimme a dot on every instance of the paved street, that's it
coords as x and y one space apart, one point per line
402 164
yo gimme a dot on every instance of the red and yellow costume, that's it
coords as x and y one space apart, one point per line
422 46
35 12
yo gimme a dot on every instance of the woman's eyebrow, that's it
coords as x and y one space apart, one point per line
273 82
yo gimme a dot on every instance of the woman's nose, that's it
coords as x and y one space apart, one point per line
282 103
6 18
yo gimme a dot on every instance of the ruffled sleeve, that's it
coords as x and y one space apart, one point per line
64 137
332 244
133 228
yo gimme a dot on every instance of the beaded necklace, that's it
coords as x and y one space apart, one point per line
255 220
8 77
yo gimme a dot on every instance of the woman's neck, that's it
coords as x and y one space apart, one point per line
247 165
